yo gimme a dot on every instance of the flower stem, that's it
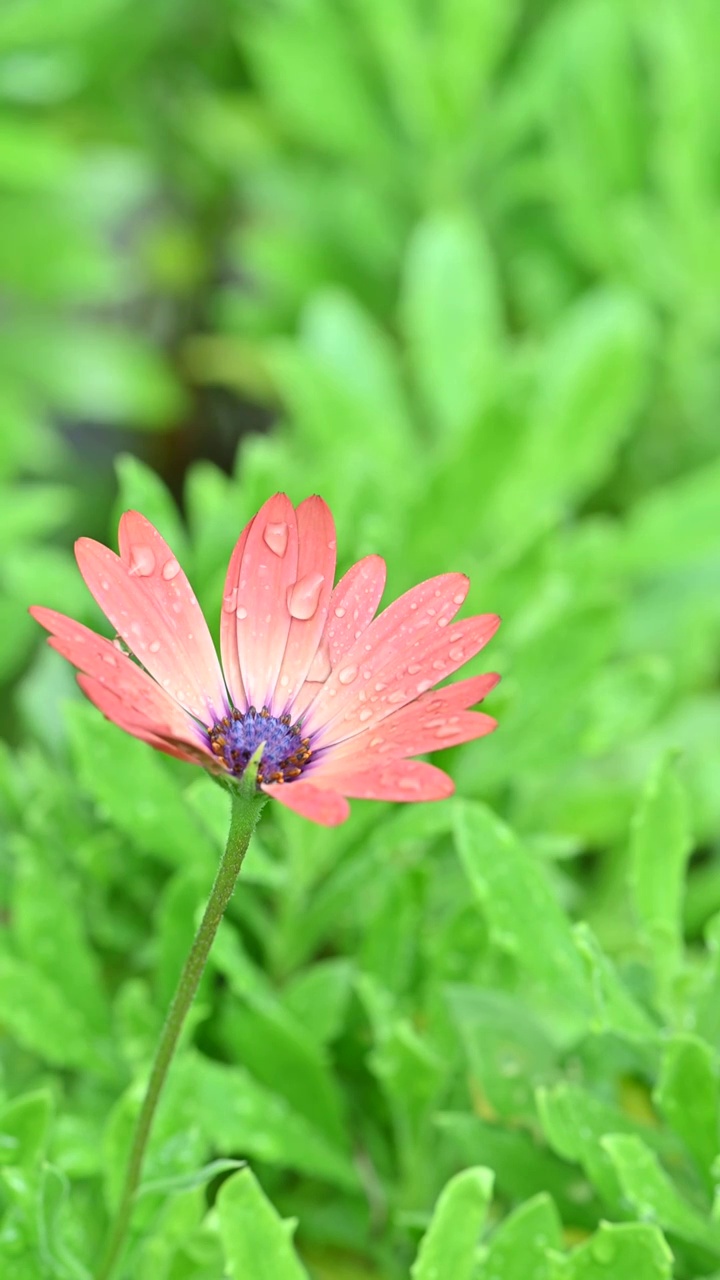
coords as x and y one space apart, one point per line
246 805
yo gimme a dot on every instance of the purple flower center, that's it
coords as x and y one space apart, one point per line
235 740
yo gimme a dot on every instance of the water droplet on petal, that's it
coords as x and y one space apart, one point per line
340 613
320 667
409 784
142 561
375 742
303 597
347 675
275 536
424 685
442 622
365 714
456 653
154 647
241 613
414 668
170 570
109 658
380 686
397 696
105 584
438 665
459 598
230 600
445 731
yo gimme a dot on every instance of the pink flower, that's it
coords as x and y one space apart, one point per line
340 698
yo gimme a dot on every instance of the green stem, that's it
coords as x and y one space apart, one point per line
246 806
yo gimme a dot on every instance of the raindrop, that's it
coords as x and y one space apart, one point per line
241 613
376 742
154 647
105 584
347 675
380 686
445 731
414 668
275 536
442 622
409 784
142 561
303 597
459 598
438 665
320 666
170 570
230 600
456 653
365 714
284 681
340 613
110 659
424 685
397 696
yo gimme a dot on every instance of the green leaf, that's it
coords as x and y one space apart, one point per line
508 1051
659 849
449 1248
648 1188
630 1251
688 1095
525 918
24 1124
450 308
141 489
520 1245
36 1013
256 1241
615 1008
188 1181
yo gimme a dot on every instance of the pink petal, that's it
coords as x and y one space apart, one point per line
396 780
158 638
114 709
268 570
308 600
142 701
407 650
154 569
326 807
229 625
352 608
435 720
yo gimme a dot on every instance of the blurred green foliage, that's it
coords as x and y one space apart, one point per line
467 255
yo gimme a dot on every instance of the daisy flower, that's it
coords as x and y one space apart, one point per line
339 698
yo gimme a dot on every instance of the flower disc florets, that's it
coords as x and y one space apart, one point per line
235 740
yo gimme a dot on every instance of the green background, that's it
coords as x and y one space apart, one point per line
454 265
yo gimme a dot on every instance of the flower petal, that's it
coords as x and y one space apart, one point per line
268 570
352 607
435 720
326 807
229 625
396 780
143 702
416 651
162 639
115 709
308 599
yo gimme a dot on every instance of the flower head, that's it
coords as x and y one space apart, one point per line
337 697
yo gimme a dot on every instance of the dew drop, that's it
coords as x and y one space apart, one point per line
409 784
142 561
110 659
424 685
397 696
347 675
105 584
320 666
154 647
303 597
459 598
340 612
456 653
241 613
438 665
170 570
275 536
442 622
230 600
445 731
380 686
375 742
414 668
365 714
